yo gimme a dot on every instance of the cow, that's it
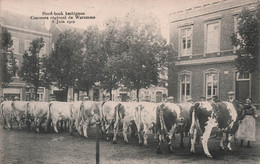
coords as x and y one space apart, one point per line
39 114
75 117
168 116
20 110
125 113
184 120
145 120
206 115
29 113
108 117
59 111
89 114
7 114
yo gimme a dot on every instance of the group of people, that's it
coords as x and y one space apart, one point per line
246 118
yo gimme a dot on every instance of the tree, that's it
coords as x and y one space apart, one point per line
246 39
111 57
33 69
92 60
67 59
145 52
8 63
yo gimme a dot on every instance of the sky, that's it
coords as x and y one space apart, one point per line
102 9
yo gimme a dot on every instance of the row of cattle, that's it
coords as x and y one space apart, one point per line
163 120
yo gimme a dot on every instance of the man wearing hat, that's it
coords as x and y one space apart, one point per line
16 98
231 99
169 100
215 98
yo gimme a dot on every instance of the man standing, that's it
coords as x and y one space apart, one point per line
231 99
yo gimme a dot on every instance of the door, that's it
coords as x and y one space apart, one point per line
242 86
158 97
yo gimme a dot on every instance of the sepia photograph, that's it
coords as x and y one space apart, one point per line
130 81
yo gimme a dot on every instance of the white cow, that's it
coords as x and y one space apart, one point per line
75 109
146 120
20 111
59 111
89 114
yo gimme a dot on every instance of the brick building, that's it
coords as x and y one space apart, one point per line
23 31
205 61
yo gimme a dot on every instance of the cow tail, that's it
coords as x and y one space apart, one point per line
117 115
48 120
102 121
193 117
2 110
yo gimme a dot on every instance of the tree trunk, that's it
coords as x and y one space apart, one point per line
110 94
137 93
35 92
1 58
67 92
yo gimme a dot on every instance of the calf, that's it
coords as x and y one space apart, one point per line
206 115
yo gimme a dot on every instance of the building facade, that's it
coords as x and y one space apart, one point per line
23 31
205 63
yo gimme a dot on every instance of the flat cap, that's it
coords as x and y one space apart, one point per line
231 93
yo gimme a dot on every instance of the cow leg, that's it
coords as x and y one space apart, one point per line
38 124
145 132
54 123
85 129
154 131
159 151
171 134
228 145
3 122
221 142
70 126
205 137
181 137
116 126
126 124
193 136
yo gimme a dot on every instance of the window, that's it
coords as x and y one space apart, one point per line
43 51
236 20
185 86
185 41
212 42
211 84
243 76
15 45
27 45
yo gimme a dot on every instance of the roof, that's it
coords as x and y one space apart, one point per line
20 21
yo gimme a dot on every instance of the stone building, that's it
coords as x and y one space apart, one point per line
23 31
205 65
